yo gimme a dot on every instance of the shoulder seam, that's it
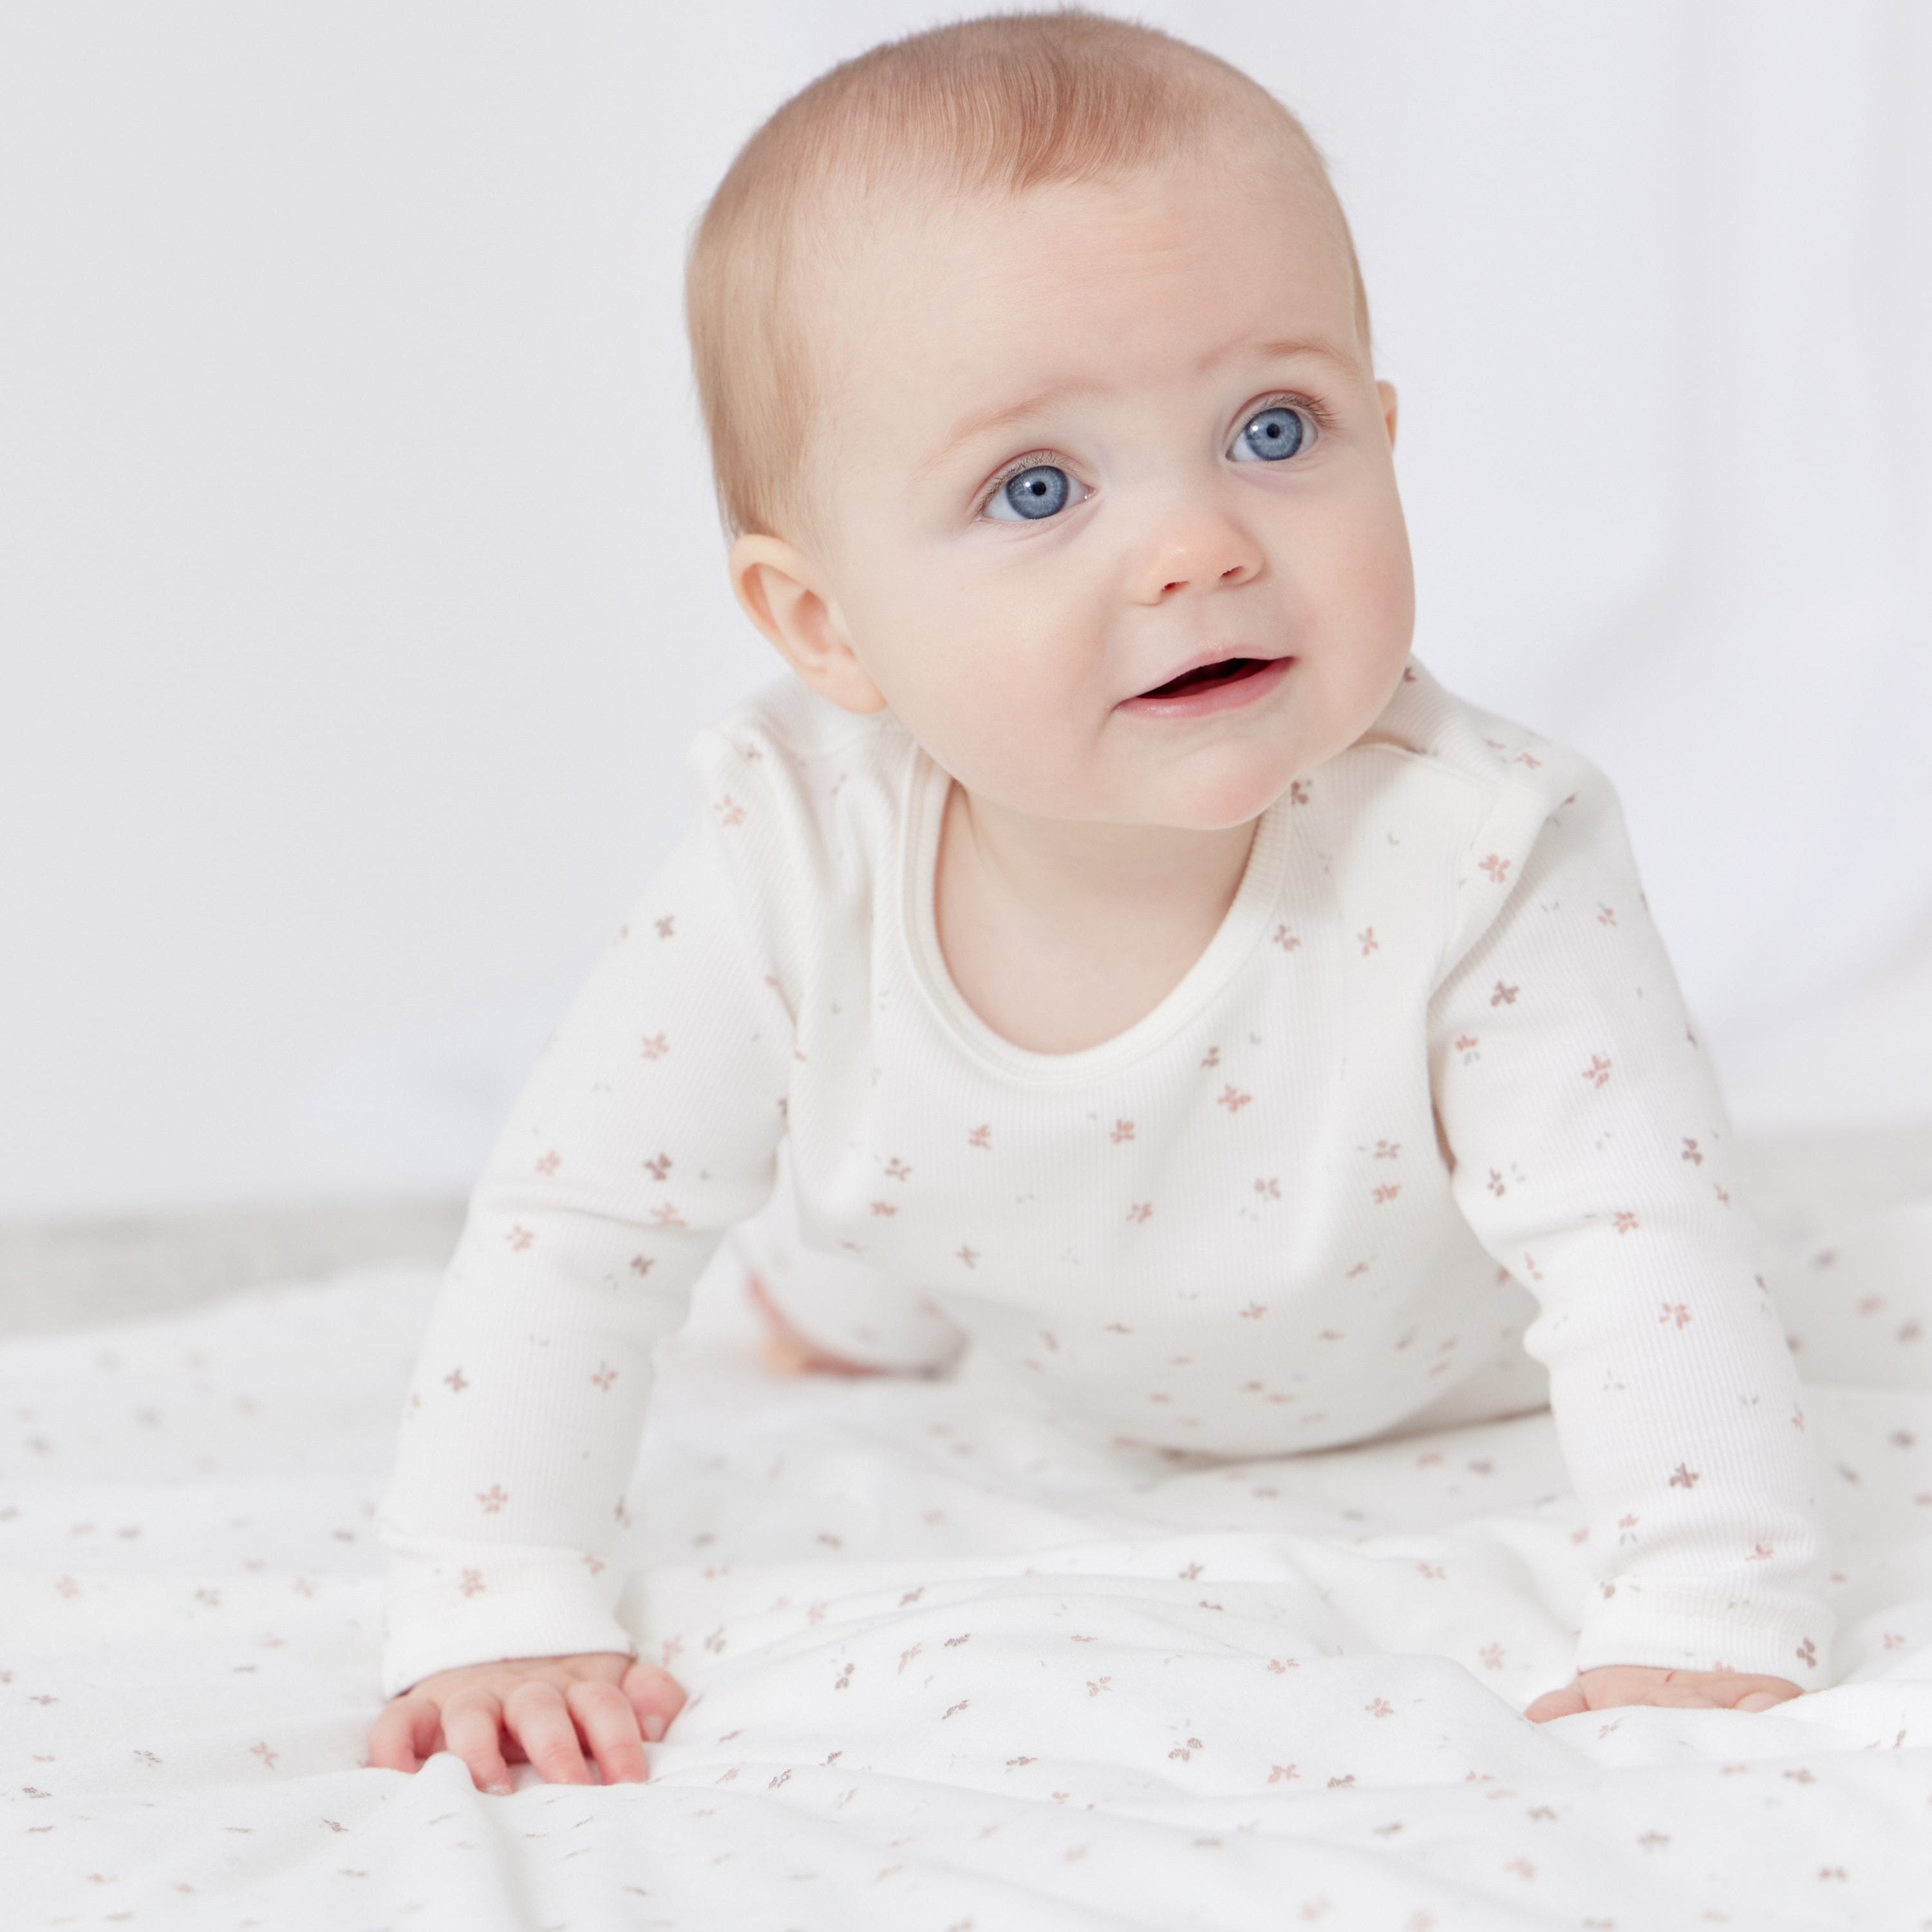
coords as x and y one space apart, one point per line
1434 762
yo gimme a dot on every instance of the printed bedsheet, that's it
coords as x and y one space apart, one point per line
955 1666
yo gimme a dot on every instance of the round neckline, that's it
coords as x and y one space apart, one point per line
1233 939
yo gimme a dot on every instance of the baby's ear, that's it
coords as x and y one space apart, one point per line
780 589
1387 392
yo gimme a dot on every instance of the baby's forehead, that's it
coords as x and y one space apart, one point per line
923 261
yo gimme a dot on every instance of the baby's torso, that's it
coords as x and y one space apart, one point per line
1229 1228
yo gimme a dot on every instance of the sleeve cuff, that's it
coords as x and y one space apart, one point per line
1686 1626
482 1603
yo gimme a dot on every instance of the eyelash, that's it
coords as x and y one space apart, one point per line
1322 418
1018 467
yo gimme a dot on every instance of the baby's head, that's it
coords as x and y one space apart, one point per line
1035 362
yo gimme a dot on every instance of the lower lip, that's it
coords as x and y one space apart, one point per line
1230 695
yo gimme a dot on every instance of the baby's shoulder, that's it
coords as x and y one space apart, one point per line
796 781
1473 767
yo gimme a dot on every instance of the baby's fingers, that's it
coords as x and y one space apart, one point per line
655 1696
1563 1703
404 1734
471 1721
1760 1693
537 1718
609 1726
1681 1697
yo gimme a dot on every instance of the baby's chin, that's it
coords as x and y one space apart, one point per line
1231 777
1219 806
1206 795
1219 786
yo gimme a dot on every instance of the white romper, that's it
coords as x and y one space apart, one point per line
1424 1135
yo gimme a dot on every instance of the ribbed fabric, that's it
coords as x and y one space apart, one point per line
1425 1133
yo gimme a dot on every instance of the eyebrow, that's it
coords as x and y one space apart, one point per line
1281 351
1006 419
1029 407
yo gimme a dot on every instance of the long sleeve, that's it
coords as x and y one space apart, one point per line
649 1127
1590 1155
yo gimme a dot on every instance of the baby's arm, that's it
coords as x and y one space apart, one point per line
649 1127
1591 1155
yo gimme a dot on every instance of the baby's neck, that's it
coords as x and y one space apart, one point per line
1061 934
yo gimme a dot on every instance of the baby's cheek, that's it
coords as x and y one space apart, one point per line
952 664
1367 652
1361 579
1009 724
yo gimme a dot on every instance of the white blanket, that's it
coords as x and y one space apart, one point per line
953 1665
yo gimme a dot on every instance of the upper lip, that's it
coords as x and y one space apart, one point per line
1221 654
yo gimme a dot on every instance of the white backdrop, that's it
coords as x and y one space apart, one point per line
360 585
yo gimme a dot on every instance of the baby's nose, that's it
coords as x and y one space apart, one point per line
1200 550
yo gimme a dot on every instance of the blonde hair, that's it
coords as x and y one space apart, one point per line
1000 104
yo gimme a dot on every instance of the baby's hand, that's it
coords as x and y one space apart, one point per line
1608 1683
786 1352
541 1702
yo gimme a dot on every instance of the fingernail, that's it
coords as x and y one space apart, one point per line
502 1789
654 1727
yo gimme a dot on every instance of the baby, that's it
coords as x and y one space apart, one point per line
1147 972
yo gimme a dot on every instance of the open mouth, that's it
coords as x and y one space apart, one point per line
1226 671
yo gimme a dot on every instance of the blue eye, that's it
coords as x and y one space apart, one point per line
1271 436
1043 490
